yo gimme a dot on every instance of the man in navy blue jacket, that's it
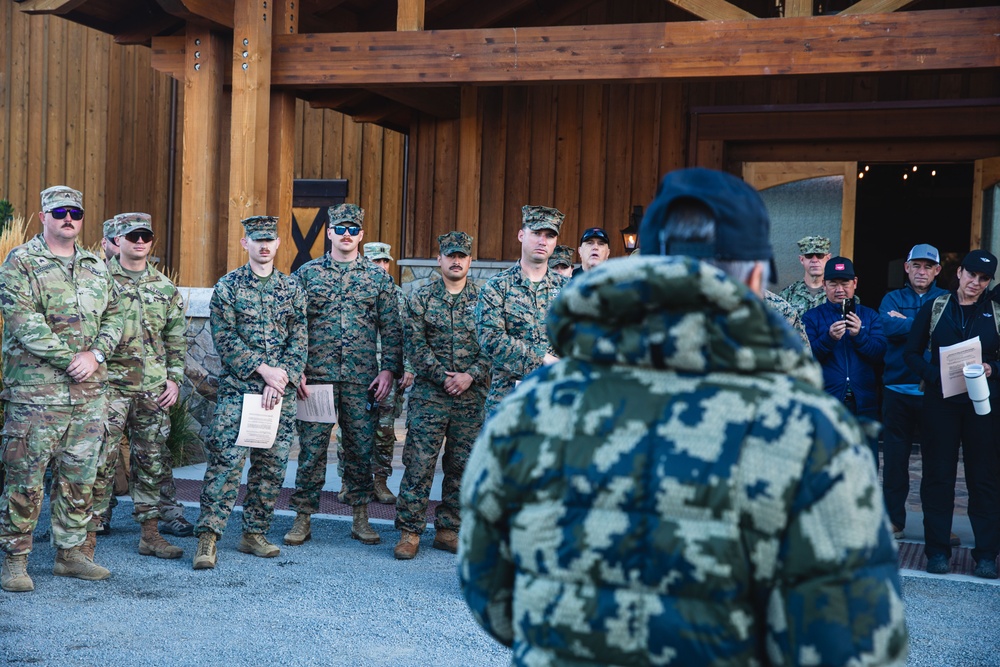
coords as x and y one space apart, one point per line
847 340
902 399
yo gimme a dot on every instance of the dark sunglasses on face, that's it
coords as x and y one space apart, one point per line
340 230
135 237
60 213
814 255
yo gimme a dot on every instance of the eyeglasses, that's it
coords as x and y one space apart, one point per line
814 255
111 240
60 213
141 235
340 230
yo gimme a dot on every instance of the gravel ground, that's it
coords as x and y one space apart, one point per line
334 601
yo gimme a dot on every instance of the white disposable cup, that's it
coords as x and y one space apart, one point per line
978 387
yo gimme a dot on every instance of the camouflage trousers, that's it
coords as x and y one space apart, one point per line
148 427
427 424
225 468
170 507
389 411
357 431
71 437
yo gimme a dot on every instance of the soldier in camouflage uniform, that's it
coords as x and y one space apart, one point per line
678 489
510 313
814 251
351 303
788 313
258 321
60 322
561 261
144 374
391 408
447 399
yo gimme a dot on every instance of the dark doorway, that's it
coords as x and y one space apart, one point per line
932 204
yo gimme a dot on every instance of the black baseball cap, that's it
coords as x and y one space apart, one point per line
742 226
981 261
595 232
839 268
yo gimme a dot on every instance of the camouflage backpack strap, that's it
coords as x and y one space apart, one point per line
996 315
937 310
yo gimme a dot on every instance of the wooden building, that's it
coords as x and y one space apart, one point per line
578 104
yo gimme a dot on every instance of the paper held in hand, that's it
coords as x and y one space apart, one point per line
318 407
953 359
258 427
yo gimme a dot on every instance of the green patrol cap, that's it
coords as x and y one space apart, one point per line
133 222
261 227
542 217
60 195
561 256
453 242
377 250
346 214
110 229
814 244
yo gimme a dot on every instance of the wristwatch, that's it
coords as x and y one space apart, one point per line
98 355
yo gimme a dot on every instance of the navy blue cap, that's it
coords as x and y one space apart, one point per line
742 226
981 261
595 232
839 268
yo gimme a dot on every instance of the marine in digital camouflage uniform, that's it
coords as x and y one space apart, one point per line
144 375
351 302
806 293
446 402
258 322
60 322
788 313
510 313
678 489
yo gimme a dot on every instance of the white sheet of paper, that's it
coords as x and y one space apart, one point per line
258 427
318 407
953 359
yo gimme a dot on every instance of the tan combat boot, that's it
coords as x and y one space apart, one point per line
382 492
89 545
446 540
74 563
205 555
257 545
152 543
407 546
360 529
301 531
14 575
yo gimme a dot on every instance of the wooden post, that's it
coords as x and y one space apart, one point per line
470 154
250 119
204 60
410 15
281 146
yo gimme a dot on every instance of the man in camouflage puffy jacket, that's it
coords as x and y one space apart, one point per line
678 489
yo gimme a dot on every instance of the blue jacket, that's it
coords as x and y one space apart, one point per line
851 357
906 302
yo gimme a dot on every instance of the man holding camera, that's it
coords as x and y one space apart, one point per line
351 302
847 340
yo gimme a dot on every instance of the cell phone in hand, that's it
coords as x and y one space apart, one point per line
847 306
371 402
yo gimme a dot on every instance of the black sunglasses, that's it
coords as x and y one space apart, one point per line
340 230
60 213
141 235
814 255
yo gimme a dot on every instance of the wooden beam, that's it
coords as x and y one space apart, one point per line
217 12
798 8
713 10
904 150
439 102
142 29
848 208
976 224
410 15
250 120
907 41
199 218
876 7
57 7
281 145
470 164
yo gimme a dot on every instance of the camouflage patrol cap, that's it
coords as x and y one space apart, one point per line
350 214
453 242
375 251
809 245
260 227
131 222
537 218
60 195
561 256
110 229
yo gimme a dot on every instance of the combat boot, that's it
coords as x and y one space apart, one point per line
382 492
360 529
89 545
446 540
301 531
152 543
407 546
257 545
74 563
205 555
14 575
